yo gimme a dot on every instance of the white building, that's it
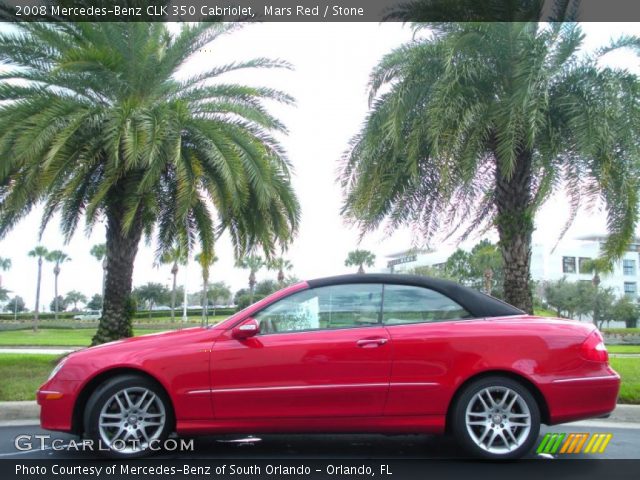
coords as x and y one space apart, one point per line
548 263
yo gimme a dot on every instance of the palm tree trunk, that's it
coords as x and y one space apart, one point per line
360 269
596 304
37 312
515 227
205 299
281 278
488 280
104 275
174 271
252 285
121 253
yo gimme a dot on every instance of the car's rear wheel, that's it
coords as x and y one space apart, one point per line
128 416
497 418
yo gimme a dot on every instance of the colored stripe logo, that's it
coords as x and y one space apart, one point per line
553 443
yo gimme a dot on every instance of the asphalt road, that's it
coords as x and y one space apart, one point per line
624 445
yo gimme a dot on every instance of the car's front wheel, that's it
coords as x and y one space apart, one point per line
128 416
497 418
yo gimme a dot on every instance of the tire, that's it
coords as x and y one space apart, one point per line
477 410
128 416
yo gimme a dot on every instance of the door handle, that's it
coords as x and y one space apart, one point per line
371 342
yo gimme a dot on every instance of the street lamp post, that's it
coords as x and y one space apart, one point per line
184 299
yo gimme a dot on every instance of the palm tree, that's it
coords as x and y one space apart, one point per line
205 261
253 263
476 124
74 297
15 305
57 257
486 260
218 291
360 258
95 122
99 252
174 256
152 294
5 264
597 266
280 265
38 252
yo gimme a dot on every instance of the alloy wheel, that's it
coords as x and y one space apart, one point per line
131 419
498 420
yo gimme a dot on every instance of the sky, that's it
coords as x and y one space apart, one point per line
332 63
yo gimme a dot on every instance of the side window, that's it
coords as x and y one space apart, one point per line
339 306
406 304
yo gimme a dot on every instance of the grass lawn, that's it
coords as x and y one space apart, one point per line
623 348
629 370
66 337
621 330
47 337
544 312
23 374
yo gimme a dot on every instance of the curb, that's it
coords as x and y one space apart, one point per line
625 413
25 410
39 350
30 410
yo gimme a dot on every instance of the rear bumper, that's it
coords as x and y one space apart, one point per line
579 398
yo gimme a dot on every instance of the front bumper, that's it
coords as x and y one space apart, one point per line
57 400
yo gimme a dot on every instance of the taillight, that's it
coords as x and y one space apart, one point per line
593 348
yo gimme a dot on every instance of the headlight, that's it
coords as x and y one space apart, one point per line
57 368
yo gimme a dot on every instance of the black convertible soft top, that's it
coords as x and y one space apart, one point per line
476 303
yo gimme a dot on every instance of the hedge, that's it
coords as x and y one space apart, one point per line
140 314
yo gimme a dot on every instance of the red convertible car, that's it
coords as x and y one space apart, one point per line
355 353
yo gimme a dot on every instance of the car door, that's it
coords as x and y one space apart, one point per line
421 325
320 353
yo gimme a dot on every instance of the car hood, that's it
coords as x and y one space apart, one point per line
153 340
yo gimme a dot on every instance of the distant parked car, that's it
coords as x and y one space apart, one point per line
88 315
356 353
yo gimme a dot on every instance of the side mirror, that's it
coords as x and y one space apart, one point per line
247 329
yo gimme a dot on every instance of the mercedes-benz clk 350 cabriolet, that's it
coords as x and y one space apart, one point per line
356 353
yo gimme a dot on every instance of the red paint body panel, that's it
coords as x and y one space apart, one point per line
302 374
322 381
541 351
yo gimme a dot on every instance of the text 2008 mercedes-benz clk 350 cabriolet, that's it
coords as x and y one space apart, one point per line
354 353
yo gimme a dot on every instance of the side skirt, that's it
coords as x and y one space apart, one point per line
433 424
